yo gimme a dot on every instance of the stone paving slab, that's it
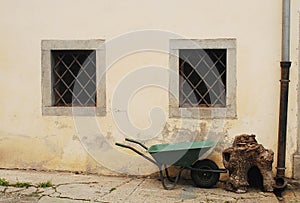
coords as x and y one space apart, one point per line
47 199
292 193
69 187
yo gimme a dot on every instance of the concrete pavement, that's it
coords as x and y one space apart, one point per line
70 187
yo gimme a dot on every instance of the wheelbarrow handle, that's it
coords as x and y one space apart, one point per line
136 142
136 151
121 145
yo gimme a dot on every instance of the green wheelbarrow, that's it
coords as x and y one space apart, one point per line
185 155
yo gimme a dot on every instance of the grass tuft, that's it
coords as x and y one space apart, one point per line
45 184
21 184
3 182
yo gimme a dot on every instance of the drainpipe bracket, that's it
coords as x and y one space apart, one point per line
285 64
286 81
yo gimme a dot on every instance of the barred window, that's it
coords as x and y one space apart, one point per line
74 77
202 78
204 85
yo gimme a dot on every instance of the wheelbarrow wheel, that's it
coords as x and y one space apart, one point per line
205 179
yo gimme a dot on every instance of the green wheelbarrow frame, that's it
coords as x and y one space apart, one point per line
185 155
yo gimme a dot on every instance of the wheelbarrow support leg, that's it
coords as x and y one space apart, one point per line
171 179
173 185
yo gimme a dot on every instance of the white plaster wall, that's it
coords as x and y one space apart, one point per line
29 140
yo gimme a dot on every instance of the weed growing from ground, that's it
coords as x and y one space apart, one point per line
45 184
3 182
21 184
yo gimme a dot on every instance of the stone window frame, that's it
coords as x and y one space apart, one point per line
229 111
48 109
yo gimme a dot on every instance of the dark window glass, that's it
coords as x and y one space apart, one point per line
202 77
74 77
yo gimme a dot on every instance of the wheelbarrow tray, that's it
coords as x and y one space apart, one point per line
180 154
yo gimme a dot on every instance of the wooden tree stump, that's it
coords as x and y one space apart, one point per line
245 154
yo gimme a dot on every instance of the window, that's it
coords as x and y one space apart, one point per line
73 77
204 83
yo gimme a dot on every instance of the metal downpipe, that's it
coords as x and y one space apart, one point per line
285 65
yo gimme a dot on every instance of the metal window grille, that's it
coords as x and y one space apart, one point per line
202 77
74 77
